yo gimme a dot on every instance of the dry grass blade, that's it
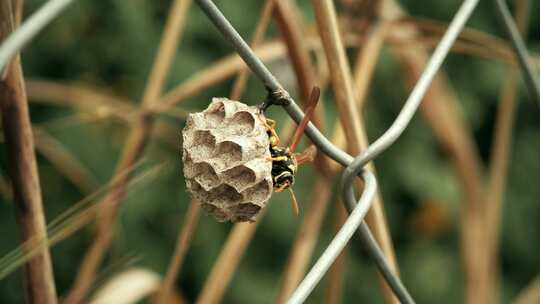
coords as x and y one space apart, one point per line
260 29
38 272
217 72
366 61
6 190
70 221
97 105
471 41
242 233
228 260
89 99
502 140
133 149
350 119
65 162
439 109
530 294
290 23
182 245
306 239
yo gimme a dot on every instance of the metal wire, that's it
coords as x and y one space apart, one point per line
322 143
531 78
29 29
338 243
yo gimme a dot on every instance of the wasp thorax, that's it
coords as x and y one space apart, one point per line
226 160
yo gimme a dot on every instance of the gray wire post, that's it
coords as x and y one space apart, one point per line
524 60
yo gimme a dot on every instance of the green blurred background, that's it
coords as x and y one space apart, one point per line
111 45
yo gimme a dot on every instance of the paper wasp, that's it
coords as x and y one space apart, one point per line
285 161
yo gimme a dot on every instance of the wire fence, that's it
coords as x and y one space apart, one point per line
354 166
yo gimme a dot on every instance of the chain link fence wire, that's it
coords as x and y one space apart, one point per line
277 95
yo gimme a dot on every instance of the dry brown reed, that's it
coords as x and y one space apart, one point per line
38 272
132 151
351 121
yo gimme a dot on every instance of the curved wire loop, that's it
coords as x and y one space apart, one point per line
339 242
325 146
373 249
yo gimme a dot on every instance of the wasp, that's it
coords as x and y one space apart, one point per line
285 161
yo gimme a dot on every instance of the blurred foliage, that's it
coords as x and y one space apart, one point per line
111 44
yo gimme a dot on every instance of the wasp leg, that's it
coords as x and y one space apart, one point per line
270 125
308 155
279 158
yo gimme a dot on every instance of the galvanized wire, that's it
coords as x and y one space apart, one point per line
339 242
524 60
276 91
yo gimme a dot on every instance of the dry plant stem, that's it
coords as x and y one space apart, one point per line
368 55
336 274
6 190
97 102
351 120
38 273
228 261
70 221
306 238
64 161
453 134
530 294
241 80
289 21
132 150
182 245
498 171
219 71
242 233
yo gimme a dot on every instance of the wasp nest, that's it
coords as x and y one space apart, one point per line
226 166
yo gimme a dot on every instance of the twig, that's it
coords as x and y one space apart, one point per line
350 118
242 233
64 161
530 294
451 131
290 21
366 61
182 245
70 221
502 140
257 37
39 278
133 149
306 239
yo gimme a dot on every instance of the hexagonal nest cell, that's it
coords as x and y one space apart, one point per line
226 160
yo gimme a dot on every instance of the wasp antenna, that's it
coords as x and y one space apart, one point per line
295 206
309 110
